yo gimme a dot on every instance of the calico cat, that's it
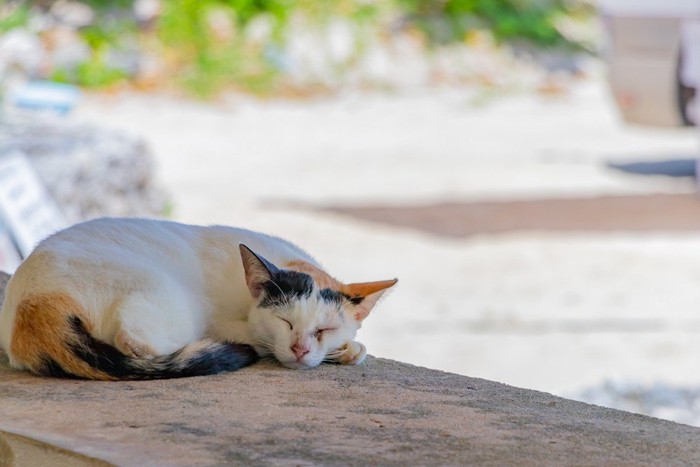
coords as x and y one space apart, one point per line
114 299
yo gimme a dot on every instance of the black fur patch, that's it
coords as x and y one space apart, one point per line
332 296
285 286
98 354
227 356
49 367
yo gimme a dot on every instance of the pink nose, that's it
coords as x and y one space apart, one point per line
299 351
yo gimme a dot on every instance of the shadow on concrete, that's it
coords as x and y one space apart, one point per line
630 213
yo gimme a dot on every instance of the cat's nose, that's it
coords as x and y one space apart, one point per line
299 351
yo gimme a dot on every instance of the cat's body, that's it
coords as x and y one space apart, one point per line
135 289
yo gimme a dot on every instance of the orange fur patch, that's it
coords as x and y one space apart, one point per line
364 289
321 277
42 330
369 290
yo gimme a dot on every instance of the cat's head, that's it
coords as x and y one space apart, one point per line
302 315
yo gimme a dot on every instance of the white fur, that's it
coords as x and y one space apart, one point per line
307 316
168 285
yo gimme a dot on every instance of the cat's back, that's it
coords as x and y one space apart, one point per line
107 252
123 237
99 262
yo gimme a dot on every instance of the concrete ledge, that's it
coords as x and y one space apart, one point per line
20 451
382 412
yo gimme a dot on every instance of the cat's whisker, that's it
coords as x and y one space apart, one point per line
268 344
278 287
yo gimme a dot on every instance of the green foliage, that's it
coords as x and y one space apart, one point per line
13 16
207 45
247 10
96 74
92 74
103 5
528 20
206 41
96 71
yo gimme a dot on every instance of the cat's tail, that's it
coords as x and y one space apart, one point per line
51 340
205 357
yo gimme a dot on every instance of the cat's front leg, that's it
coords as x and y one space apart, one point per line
351 353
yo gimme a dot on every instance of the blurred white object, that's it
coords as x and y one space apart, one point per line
147 10
20 51
652 55
68 49
28 210
73 13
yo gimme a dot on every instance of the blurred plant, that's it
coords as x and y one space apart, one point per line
13 15
207 41
97 71
532 21
206 45
214 42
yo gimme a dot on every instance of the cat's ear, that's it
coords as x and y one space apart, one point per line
257 269
366 294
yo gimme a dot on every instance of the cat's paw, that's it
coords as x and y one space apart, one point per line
352 353
132 347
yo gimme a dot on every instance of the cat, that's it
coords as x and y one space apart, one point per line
126 298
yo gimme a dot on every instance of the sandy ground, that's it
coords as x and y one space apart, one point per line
544 310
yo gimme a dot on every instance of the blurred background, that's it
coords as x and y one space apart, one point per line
527 168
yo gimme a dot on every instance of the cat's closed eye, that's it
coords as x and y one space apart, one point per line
319 332
289 323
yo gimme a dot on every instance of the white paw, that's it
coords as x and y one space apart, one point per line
353 353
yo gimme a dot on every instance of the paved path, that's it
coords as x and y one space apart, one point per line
380 413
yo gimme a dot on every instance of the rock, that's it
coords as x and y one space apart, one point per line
90 171
147 11
72 13
4 277
66 49
21 51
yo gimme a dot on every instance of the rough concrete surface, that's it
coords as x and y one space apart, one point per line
22 451
381 413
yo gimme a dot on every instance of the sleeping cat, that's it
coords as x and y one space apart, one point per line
114 299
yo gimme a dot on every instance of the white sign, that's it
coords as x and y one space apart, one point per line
29 212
